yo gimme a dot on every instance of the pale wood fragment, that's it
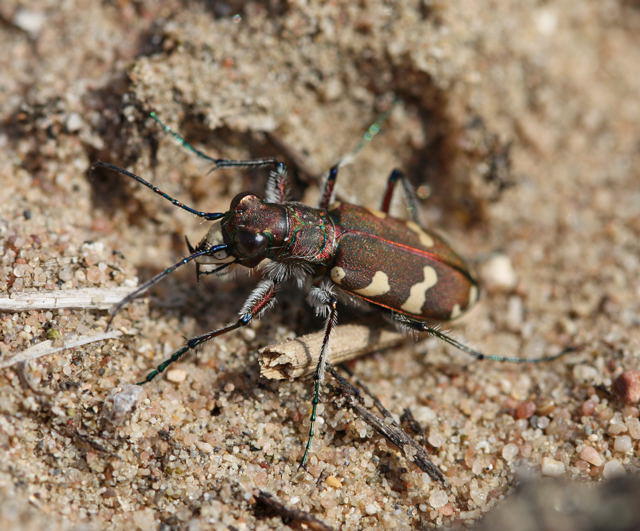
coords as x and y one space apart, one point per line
298 357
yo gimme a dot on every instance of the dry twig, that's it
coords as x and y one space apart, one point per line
387 427
268 505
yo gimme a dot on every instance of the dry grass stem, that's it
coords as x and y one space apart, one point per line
47 347
86 298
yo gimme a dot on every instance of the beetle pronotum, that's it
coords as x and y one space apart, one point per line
338 252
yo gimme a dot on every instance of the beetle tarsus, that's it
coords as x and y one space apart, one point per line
436 332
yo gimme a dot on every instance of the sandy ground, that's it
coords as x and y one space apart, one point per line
517 121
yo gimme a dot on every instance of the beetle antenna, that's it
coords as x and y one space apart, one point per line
217 163
211 216
481 356
163 274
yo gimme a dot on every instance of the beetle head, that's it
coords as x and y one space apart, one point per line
251 229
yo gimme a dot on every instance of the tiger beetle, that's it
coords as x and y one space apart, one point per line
337 252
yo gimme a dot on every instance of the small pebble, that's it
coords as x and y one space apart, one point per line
204 447
249 334
540 423
29 21
436 440
551 467
509 452
438 498
623 444
447 510
176 375
334 482
588 408
478 495
371 509
586 373
627 387
94 275
21 270
515 313
612 469
123 401
591 456
545 408
633 425
498 273
332 89
524 410
65 274
616 426
74 122
424 414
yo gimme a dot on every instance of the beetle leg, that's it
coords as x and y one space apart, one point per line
325 301
422 326
277 185
260 300
218 163
410 194
328 188
330 180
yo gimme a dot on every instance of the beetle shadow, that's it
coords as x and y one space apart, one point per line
462 165
210 303
231 8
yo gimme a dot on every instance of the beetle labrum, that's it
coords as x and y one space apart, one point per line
338 252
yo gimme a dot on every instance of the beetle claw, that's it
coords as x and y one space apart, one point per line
189 246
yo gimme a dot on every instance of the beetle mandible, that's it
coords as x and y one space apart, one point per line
337 251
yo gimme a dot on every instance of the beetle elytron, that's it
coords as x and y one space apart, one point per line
337 251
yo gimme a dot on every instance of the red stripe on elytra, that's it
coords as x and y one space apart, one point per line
395 310
418 252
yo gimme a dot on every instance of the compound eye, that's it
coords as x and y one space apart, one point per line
250 244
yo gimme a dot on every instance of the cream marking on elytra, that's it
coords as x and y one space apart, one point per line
418 292
473 295
379 286
456 312
425 239
337 274
376 213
